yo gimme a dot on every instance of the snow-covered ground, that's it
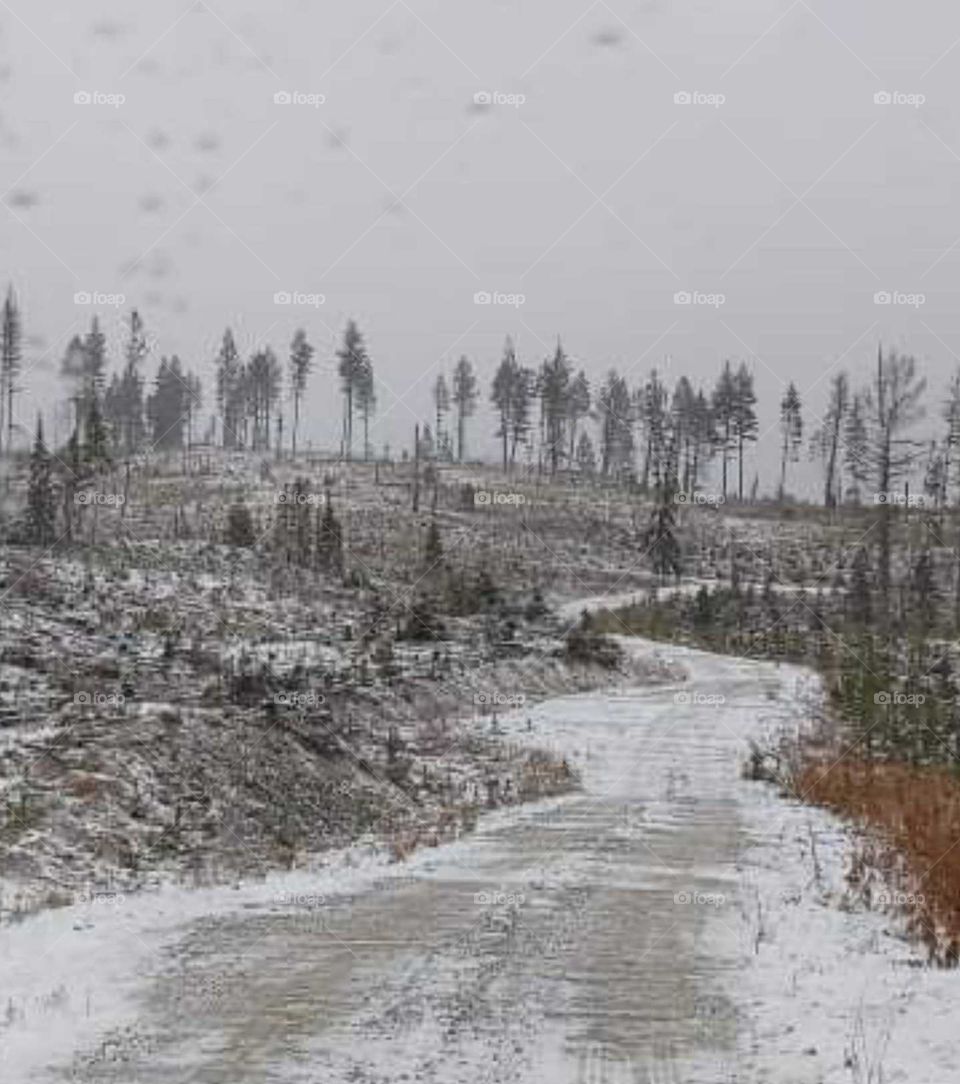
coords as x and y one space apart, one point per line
672 922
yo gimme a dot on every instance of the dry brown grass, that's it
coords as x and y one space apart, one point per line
84 785
912 847
542 776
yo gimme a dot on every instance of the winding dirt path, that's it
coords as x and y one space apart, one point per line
573 941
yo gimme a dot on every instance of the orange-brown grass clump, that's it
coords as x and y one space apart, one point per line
912 820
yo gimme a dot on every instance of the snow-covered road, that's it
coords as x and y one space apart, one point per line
666 924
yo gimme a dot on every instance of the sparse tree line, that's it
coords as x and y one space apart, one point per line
889 668
553 418
114 421
642 433
866 441
547 418
650 434
550 416
119 419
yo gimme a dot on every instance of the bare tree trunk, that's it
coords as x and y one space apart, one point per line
783 471
830 496
724 458
348 424
126 489
416 467
296 424
740 467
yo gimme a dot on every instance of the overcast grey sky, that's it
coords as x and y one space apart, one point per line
599 197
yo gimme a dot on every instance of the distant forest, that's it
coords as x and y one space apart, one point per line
548 417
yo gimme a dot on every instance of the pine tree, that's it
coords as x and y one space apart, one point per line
511 392
553 387
923 586
71 370
791 433
465 395
683 423
827 439
130 419
428 447
329 543
240 527
353 367
84 366
263 377
433 546
892 405
934 475
366 400
501 393
744 418
95 448
704 438
723 409
660 540
94 361
113 411
193 399
586 458
41 500
73 475
282 529
652 415
615 412
441 403
10 359
230 390
168 405
578 407
301 355
856 447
